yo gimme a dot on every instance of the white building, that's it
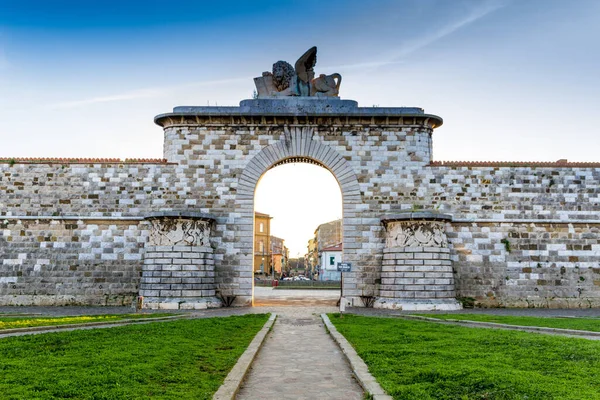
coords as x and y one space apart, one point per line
330 257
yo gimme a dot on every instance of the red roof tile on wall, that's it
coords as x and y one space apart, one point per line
44 160
554 164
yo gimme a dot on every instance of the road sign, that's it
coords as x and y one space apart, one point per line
344 267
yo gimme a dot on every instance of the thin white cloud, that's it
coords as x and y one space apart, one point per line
394 57
360 66
139 94
136 94
479 11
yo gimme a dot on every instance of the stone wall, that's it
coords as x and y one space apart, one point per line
522 235
74 232
94 189
527 264
501 192
70 262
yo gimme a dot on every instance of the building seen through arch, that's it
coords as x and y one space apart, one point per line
270 253
327 237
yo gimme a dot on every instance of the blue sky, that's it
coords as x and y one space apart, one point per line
513 80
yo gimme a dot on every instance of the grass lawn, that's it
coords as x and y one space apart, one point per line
182 359
584 324
8 322
424 360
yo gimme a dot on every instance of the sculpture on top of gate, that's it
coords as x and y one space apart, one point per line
285 80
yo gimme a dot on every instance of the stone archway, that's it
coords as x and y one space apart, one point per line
299 145
374 154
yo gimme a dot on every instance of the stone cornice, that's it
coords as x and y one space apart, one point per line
184 120
298 112
415 216
181 214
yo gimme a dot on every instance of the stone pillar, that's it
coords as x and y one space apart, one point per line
178 270
416 272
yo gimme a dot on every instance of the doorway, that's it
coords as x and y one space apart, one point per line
298 235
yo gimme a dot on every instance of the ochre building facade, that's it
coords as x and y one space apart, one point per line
262 243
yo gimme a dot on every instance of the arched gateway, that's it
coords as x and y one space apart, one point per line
224 151
297 145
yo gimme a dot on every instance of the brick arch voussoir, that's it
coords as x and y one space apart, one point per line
324 155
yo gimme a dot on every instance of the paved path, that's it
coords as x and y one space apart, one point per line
299 360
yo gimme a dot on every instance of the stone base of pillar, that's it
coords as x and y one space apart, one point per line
178 271
416 271
189 303
418 305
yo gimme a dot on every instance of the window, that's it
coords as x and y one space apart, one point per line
332 260
261 246
261 227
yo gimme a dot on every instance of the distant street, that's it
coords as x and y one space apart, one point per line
267 296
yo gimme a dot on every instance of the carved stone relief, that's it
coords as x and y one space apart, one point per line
416 234
179 232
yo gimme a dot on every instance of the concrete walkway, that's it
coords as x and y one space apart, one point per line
299 360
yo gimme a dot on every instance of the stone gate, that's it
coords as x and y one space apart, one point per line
226 150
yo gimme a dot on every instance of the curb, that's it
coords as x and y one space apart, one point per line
234 379
52 328
359 368
478 324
